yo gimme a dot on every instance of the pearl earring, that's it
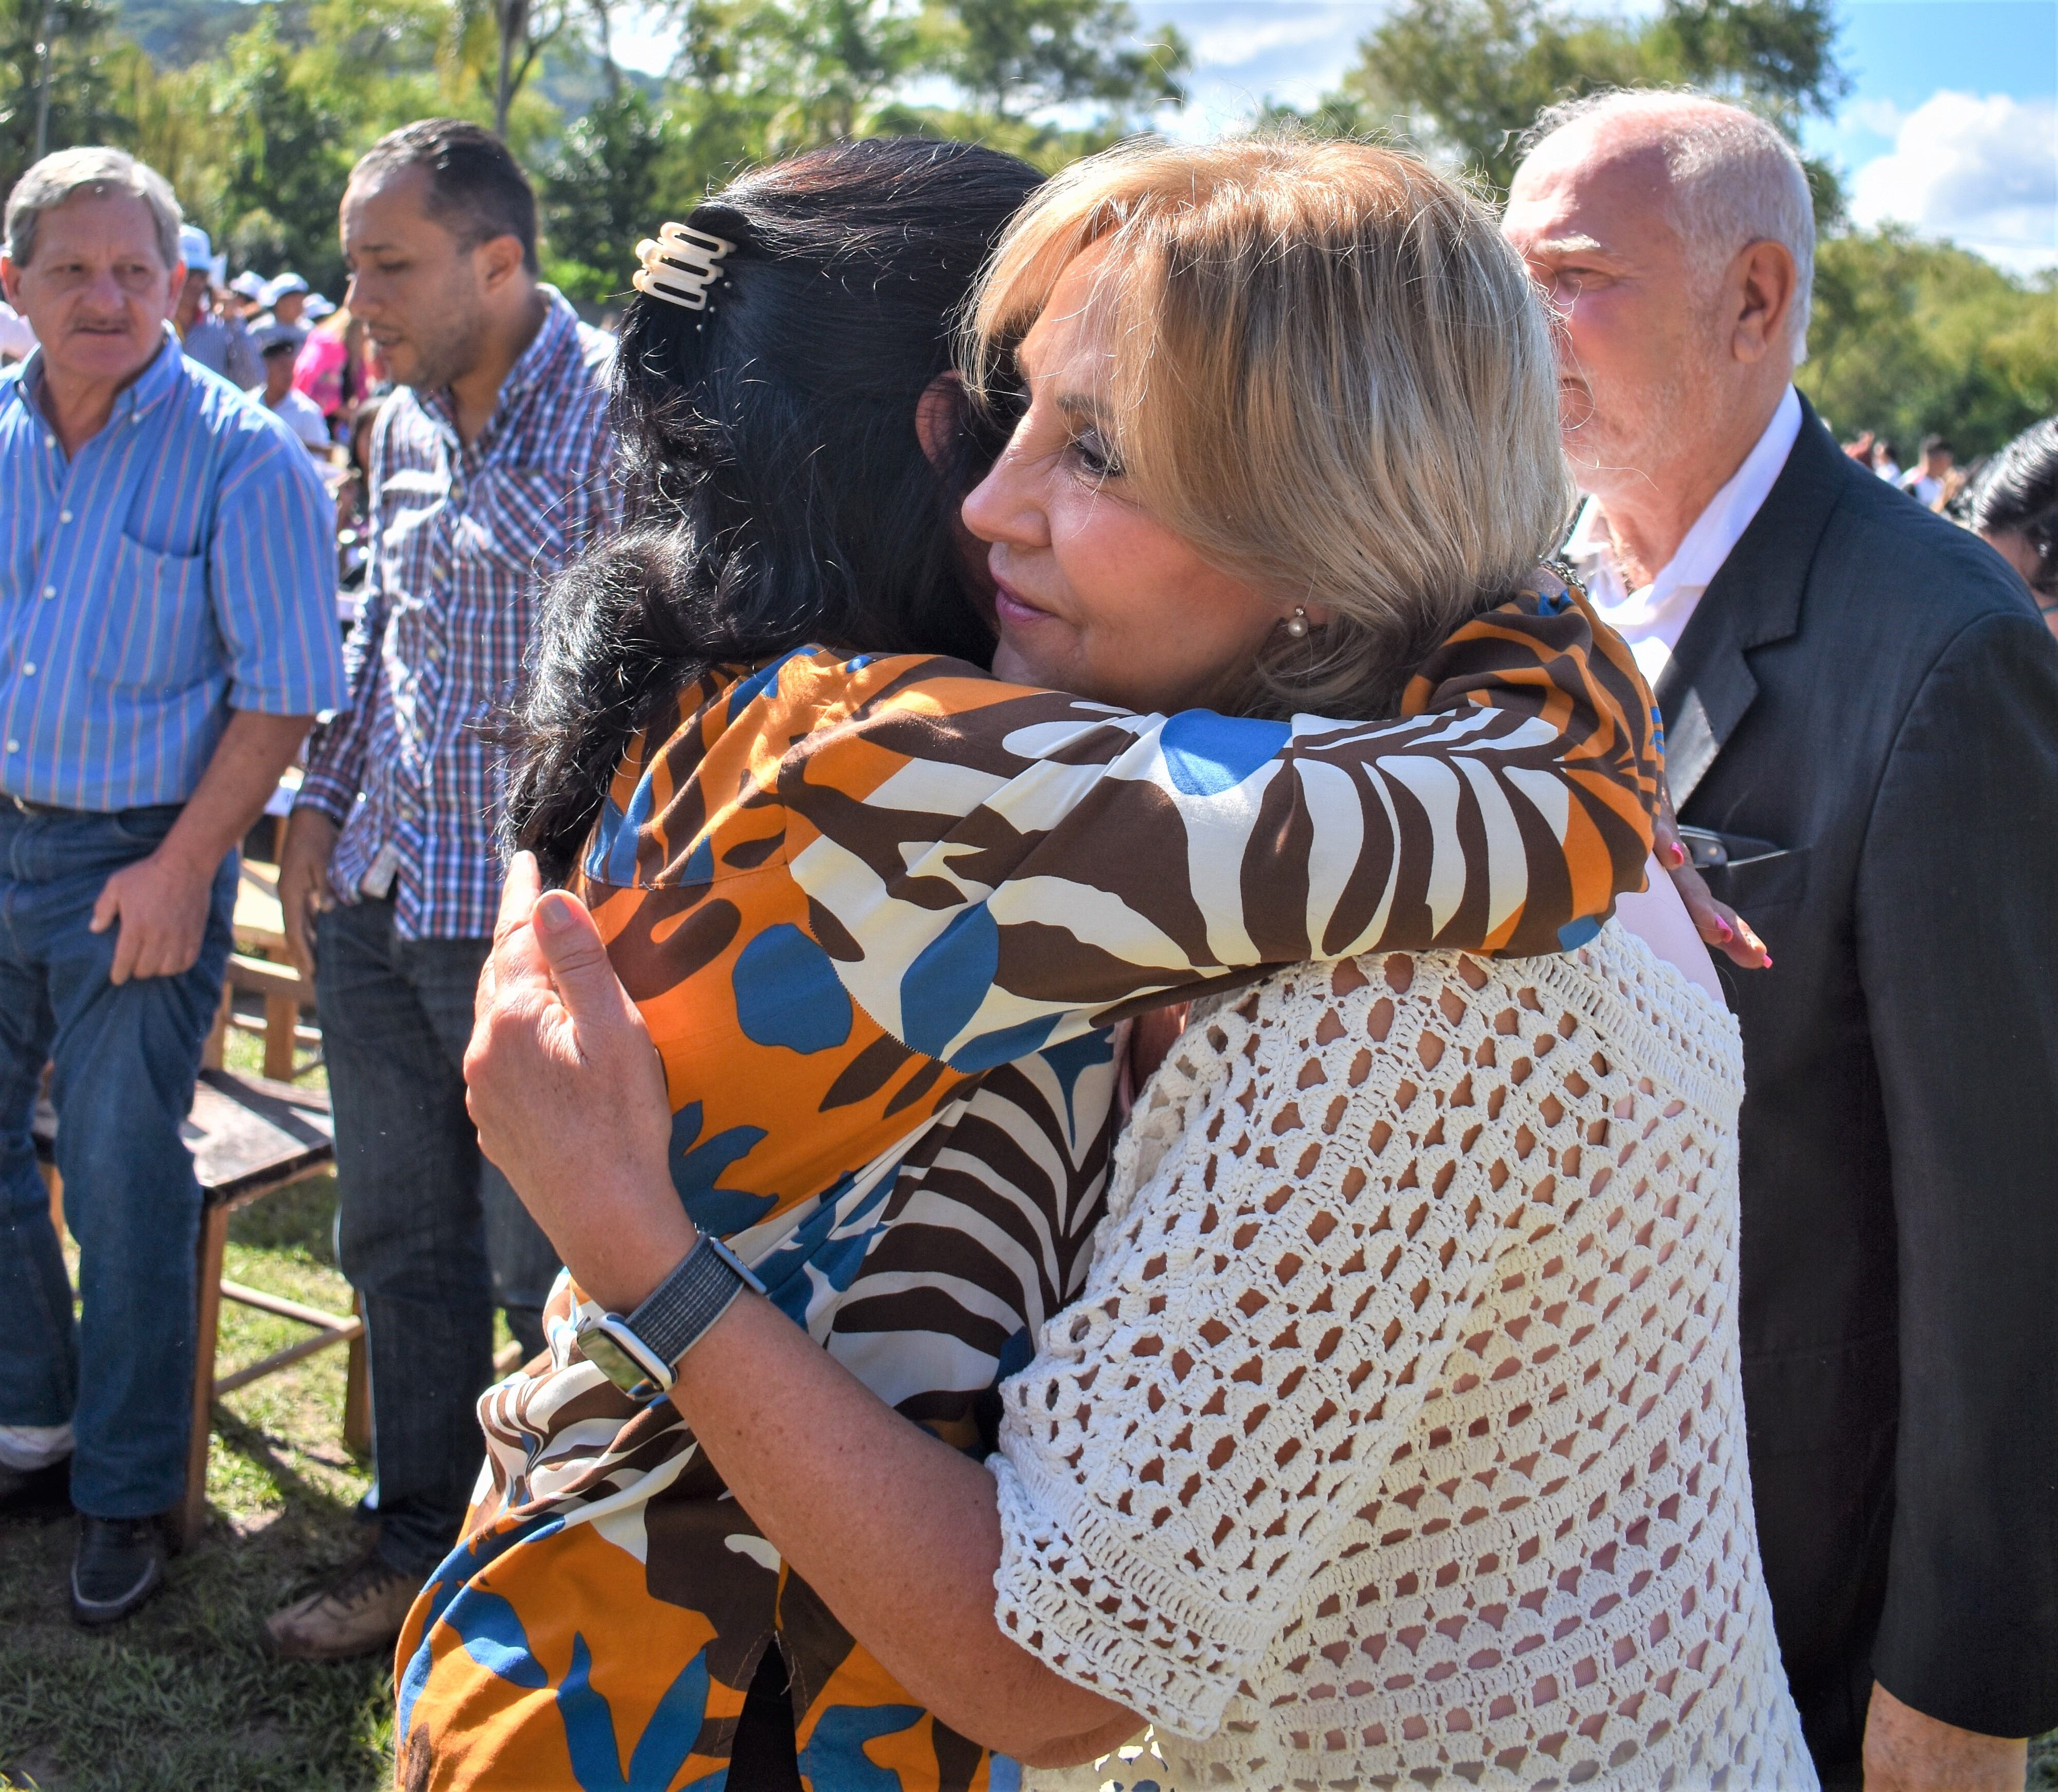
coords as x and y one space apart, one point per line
1297 625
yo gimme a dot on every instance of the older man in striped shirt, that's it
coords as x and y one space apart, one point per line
167 632
489 470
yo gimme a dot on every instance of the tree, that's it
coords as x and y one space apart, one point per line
1468 77
525 29
55 90
1015 57
1908 337
763 78
287 160
603 189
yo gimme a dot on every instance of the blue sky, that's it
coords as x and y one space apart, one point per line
1951 125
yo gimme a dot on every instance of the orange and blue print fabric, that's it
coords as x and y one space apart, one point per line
852 898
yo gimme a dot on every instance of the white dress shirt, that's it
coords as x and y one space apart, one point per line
1652 617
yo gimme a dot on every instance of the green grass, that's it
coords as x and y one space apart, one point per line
183 1697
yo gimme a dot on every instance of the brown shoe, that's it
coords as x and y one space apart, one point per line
359 1613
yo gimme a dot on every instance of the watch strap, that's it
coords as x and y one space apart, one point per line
682 1306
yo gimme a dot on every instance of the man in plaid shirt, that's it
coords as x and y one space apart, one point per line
489 471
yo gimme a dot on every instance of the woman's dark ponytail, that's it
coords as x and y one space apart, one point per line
777 493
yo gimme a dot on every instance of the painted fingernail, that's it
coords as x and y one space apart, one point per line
1676 855
1729 932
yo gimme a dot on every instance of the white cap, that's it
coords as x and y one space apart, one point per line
248 284
316 307
275 290
195 250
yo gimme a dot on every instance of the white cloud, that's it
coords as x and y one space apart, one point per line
1983 171
1220 47
1247 51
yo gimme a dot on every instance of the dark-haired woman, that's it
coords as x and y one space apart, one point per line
881 916
2013 506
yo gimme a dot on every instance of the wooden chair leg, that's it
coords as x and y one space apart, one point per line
213 1238
282 1016
357 1394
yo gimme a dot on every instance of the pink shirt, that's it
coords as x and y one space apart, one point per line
318 370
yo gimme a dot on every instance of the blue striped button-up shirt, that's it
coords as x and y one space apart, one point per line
465 537
181 565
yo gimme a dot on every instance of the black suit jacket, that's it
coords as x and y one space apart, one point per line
1866 705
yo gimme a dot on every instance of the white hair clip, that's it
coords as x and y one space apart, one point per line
681 265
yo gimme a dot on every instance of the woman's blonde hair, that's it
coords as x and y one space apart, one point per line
1328 375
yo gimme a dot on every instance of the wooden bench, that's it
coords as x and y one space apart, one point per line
250 1137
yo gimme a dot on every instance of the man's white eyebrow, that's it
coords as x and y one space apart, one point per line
1567 245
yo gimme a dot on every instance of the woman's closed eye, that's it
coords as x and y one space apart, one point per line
1091 454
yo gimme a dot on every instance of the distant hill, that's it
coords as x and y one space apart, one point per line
177 33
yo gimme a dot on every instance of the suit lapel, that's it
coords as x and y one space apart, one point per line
1753 600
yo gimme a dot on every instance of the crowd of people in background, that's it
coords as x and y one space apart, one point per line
2009 498
252 470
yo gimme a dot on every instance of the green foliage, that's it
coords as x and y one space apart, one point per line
256 113
604 188
53 70
1909 337
1466 78
1013 58
286 159
758 79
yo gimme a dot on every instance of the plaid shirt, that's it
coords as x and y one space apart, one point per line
464 539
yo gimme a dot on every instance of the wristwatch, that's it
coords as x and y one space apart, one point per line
636 1354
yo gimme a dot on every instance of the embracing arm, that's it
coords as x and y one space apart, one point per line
993 869
896 1530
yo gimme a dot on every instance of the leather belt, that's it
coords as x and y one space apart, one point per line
24 806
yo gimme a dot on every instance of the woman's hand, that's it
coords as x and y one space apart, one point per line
569 1096
1720 927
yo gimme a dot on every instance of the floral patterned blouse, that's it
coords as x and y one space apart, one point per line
880 915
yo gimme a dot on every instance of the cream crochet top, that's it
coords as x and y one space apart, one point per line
1398 1436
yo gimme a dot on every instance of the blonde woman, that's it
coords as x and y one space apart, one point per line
1397 1429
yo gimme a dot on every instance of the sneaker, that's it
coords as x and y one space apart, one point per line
359 1613
118 1564
36 1492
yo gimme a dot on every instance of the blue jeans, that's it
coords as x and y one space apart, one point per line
126 1059
429 1233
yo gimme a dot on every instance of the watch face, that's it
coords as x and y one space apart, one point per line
612 1361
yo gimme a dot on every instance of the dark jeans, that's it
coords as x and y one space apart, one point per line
126 1059
429 1233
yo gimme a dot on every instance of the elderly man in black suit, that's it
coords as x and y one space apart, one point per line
1862 712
